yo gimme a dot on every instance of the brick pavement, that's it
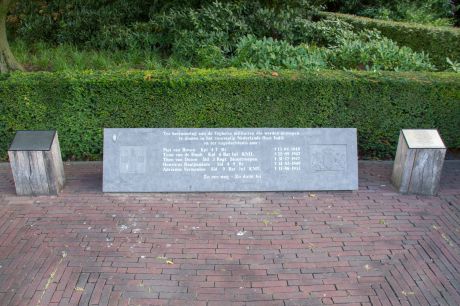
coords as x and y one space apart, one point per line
371 247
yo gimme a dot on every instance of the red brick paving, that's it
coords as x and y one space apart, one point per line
371 247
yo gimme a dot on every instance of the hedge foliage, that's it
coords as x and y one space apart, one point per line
438 42
80 105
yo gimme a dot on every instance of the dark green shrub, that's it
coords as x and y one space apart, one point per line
75 21
80 105
184 31
271 54
138 36
208 34
434 12
79 21
290 24
366 50
369 50
328 31
438 42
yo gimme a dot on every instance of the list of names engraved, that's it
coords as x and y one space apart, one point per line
219 156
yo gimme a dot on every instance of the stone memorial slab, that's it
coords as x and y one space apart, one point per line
229 159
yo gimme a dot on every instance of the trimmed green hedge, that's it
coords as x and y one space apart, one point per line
438 42
80 105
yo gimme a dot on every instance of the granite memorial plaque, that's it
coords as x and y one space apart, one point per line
229 159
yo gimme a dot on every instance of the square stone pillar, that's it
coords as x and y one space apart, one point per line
36 163
418 163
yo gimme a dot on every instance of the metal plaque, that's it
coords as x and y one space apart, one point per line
423 139
32 141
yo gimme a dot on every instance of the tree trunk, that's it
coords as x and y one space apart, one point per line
7 60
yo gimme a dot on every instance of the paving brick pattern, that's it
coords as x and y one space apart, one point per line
370 247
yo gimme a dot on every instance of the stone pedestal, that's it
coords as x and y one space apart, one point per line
418 163
36 163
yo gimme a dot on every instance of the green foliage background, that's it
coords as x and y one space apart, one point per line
80 104
206 34
438 42
434 12
80 21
